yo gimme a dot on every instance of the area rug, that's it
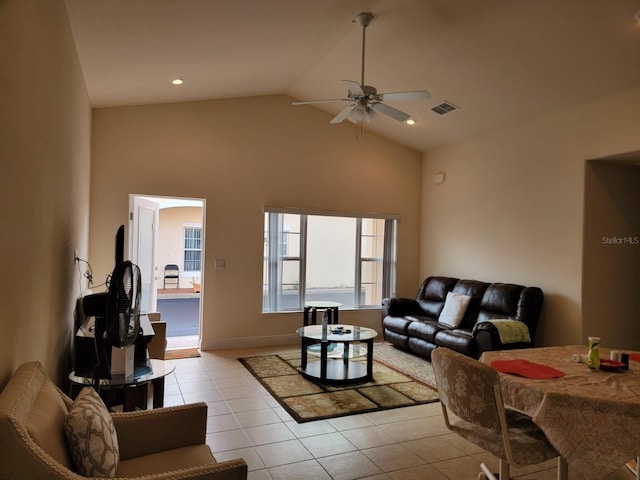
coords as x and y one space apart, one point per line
393 385
181 353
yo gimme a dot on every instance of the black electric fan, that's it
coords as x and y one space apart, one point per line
116 311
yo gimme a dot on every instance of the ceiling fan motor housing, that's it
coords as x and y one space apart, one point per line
364 19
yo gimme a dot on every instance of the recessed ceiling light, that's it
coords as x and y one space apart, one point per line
177 81
411 121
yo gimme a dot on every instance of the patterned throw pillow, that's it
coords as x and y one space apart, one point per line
91 436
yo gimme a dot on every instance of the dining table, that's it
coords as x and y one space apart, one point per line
590 416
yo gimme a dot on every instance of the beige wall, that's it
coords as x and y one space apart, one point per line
240 155
171 240
511 208
44 186
611 276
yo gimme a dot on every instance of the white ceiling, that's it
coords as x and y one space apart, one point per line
500 61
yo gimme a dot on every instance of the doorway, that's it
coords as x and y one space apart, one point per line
611 250
167 242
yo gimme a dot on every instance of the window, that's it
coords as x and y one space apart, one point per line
333 257
192 249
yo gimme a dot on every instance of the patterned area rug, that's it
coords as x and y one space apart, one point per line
400 380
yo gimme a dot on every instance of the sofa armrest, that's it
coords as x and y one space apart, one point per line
230 470
529 308
487 338
400 307
149 431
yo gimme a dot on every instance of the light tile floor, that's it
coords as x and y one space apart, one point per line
400 444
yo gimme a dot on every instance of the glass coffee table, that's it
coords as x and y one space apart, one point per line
344 368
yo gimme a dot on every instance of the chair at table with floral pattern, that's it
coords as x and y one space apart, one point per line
471 391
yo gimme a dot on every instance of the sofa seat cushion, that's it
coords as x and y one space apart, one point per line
459 340
396 324
424 329
184 457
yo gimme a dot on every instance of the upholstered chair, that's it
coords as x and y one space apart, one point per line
47 436
470 390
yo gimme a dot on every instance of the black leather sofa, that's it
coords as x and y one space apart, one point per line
413 324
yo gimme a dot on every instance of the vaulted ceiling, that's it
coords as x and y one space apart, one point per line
499 61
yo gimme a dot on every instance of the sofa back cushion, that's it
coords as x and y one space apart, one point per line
433 293
500 301
32 407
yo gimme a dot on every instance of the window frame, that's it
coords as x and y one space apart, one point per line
185 227
272 291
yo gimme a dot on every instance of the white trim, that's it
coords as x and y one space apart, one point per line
331 213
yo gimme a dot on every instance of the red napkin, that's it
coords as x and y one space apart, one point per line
635 357
525 368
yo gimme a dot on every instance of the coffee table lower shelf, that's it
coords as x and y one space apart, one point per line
338 371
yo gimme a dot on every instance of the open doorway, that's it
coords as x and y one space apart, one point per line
611 250
167 242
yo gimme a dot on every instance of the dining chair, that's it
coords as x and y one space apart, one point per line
470 390
171 273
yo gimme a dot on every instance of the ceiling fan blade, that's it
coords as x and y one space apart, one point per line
419 95
342 115
354 87
390 111
308 102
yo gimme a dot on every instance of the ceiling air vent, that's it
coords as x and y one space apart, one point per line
444 108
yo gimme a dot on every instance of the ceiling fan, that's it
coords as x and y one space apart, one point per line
365 99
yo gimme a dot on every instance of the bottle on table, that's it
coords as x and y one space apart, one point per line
593 357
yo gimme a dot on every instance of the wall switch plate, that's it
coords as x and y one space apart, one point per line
220 263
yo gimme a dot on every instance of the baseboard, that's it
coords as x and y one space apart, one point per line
249 342
252 342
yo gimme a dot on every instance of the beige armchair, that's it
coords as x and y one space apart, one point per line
155 444
470 390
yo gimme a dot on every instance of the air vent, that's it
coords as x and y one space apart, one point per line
444 108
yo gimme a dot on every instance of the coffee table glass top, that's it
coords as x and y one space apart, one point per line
337 333
144 371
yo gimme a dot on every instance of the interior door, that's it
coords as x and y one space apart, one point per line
143 247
